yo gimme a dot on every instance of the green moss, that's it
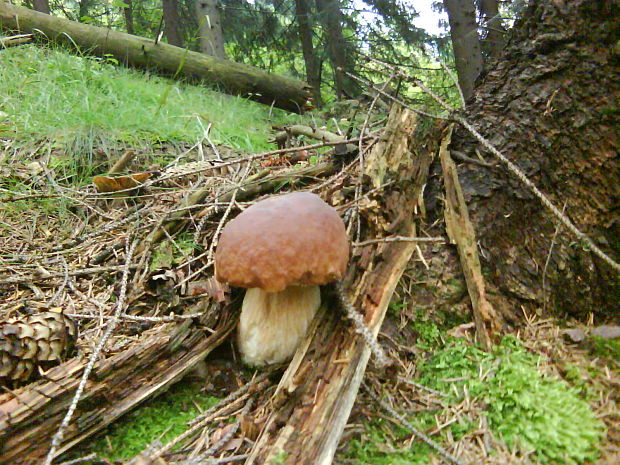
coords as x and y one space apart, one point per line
160 419
524 408
382 444
605 348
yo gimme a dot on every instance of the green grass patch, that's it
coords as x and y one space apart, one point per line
73 100
161 419
524 408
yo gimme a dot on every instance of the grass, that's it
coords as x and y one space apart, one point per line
161 419
47 93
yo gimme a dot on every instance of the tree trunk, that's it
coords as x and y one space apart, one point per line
331 19
551 107
494 42
210 27
128 13
465 43
42 6
139 52
313 65
172 23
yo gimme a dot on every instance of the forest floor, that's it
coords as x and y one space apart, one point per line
538 397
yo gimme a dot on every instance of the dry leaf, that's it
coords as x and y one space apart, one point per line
115 183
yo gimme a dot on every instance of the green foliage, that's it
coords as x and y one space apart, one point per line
48 93
428 333
161 419
167 254
524 408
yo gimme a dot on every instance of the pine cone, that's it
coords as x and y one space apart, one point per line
32 341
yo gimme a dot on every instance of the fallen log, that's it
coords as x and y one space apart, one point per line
235 78
29 416
315 396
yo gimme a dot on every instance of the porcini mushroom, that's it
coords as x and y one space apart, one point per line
282 249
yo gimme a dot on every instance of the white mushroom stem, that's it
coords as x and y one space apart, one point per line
272 324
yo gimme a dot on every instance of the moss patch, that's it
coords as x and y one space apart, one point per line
161 419
384 443
524 408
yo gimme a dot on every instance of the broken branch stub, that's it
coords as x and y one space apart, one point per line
461 232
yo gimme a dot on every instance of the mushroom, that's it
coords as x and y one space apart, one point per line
282 249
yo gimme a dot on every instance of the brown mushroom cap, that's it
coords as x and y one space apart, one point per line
291 239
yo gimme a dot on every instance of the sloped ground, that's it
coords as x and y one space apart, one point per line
537 399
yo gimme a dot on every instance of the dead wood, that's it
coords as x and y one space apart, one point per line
12 41
30 415
461 233
316 394
312 133
282 92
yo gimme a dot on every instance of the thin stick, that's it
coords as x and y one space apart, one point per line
398 239
58 437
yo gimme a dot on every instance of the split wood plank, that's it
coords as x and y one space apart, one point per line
461 232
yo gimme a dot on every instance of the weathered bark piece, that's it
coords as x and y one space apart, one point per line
315 396
461 233
303 130
31 415
282 92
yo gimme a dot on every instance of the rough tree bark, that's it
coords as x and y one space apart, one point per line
465 43
494 39
172 23
313 64
550 105
235 78
128 14
330 16
210 26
